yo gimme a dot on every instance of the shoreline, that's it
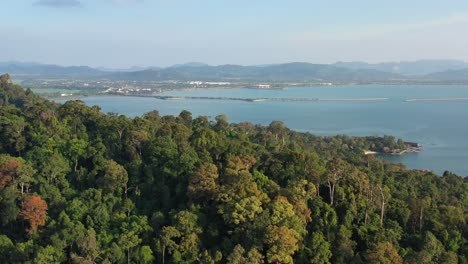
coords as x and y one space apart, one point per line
401 153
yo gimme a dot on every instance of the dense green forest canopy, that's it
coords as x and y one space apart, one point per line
81 186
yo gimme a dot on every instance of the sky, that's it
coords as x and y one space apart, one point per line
126 33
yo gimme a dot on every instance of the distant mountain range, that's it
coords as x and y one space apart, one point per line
280 72
408 68
423 70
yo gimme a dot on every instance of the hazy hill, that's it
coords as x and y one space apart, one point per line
279 72
48 70
189 64
420 67
131 69
450 75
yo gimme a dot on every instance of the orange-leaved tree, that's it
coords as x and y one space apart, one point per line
33 210
8 167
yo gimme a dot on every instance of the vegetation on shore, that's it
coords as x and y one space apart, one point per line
81 186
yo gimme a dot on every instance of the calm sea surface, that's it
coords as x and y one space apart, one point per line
440 126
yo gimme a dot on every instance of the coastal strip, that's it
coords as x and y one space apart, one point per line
265 99
437 99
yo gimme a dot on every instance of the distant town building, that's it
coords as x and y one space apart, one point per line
217 83
198 83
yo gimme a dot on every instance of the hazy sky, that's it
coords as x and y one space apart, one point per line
122 33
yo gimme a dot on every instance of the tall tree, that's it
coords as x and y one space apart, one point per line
203 183
115 178
337 171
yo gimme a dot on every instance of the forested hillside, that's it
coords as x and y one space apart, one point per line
81 186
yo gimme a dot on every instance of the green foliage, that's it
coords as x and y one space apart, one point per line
384 253
316 250
156 189
49 254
